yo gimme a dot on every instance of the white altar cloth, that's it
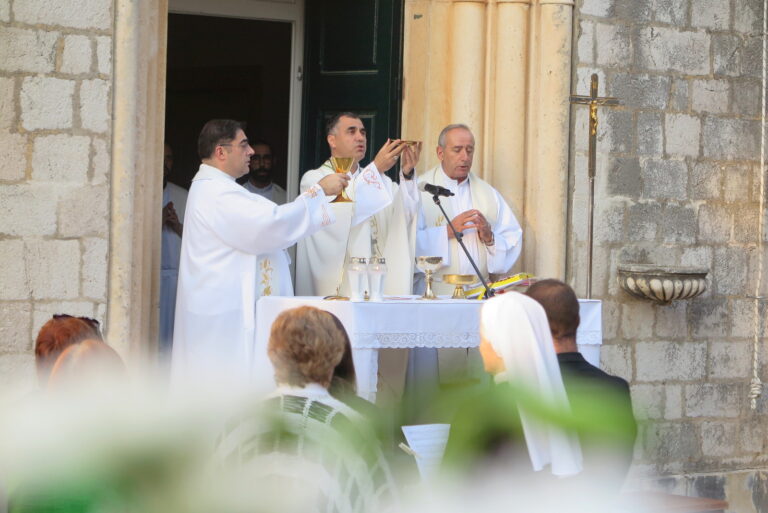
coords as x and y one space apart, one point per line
400 323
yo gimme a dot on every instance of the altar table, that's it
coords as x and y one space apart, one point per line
404 322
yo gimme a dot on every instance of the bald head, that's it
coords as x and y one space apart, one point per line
562 308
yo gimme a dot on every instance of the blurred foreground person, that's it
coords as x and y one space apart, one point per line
344 380
56 335
87 363
77 383
315 452
591 392
383 418
528 398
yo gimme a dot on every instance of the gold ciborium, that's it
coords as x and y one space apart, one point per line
342 165
459 280
429 264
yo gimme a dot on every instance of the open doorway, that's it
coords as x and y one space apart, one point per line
227 68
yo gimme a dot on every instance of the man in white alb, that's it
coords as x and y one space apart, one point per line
491 233
232 253
259 178
174 203
380 222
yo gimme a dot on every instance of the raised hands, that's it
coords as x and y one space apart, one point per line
388 154
410 158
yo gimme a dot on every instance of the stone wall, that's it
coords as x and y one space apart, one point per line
55 131
678 183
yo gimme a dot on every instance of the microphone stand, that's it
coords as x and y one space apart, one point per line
489 292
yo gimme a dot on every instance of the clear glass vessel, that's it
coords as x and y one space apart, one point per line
377 271
357 277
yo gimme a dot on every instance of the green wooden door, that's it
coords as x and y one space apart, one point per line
353 62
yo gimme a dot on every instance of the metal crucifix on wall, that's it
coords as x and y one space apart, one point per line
593 101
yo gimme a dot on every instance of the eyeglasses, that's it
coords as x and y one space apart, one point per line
93 322
243 144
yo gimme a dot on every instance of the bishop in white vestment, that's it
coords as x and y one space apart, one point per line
232 253
380 222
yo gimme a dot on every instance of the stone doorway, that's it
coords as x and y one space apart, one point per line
227 59
226 68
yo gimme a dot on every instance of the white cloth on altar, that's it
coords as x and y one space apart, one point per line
472 193
169 264
232 253
272 192
381 221
516 326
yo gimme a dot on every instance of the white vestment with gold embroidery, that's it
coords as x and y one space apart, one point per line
472 193
380 222
232 253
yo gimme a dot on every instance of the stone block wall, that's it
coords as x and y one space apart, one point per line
678 184
55 131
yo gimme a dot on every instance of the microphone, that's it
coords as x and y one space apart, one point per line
434 190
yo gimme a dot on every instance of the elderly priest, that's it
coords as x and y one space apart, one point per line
491 232
232 253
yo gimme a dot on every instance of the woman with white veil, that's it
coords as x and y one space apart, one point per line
516 346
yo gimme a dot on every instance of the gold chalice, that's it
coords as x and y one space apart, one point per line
459 280
429 264
342 165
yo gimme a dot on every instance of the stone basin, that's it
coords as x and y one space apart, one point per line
662 284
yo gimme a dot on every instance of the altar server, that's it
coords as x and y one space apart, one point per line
233 252
491 232
380 222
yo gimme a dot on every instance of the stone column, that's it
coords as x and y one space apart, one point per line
426 74
505 137
137 156
503 67
546 170
468 69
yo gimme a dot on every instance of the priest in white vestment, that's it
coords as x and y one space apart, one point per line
174 203
232 253
492 234
380 222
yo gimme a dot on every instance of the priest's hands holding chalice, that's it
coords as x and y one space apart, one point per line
334 183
